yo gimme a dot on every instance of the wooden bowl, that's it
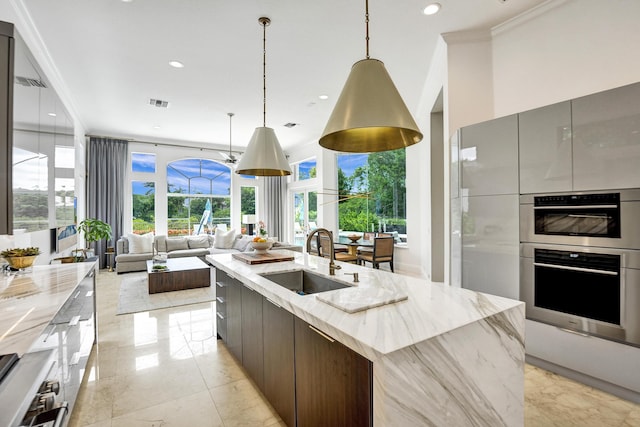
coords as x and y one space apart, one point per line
21 261
354 237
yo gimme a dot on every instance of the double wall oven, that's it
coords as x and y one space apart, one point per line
580 262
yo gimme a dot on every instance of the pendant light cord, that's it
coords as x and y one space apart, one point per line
366 22
230 116
264 73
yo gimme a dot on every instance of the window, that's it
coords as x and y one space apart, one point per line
304 170
247 203
143 162
65 201
144 206
372 192
193 185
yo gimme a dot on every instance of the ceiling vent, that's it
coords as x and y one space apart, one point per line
290 125
25 81
159 103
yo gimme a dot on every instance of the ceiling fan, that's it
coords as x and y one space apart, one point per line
229 157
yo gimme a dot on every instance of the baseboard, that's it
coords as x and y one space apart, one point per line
605 386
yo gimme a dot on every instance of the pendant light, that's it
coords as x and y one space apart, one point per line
263 156
370 114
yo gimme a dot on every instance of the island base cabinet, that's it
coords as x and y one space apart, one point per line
333 383
279 362
252 342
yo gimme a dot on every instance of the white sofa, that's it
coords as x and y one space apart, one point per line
184 246
173 247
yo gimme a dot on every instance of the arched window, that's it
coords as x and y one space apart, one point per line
198 196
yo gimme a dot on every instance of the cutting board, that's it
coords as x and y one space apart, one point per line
254 258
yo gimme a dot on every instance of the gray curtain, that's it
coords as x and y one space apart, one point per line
275 191
106 173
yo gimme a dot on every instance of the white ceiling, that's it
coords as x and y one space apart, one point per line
113 56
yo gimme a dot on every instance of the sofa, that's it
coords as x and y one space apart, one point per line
133 251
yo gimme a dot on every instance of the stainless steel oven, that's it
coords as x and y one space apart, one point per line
606 219
588 290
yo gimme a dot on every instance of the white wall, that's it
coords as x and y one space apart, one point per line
564 52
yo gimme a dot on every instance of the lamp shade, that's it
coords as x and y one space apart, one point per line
263 156
249 219
370 114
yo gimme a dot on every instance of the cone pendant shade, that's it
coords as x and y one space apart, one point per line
263 156
370 114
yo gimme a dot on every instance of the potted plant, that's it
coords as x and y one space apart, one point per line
94 230
20 257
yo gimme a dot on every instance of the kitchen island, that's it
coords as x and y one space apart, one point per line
443 356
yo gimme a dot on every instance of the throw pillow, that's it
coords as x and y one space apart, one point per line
242 242
199 242
177 244
140 244
224 240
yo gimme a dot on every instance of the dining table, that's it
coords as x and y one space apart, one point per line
352 247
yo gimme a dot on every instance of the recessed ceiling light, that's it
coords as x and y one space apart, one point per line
432 9
324 97
51 114
176 64
156 127
127 1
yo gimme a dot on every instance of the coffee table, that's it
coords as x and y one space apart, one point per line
181 274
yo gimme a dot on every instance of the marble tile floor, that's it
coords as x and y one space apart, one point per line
166 368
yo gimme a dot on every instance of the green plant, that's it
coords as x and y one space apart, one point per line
15 252
94 230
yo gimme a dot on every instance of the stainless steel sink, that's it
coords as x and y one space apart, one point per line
303 282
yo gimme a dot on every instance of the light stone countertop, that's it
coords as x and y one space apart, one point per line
28 302
430 310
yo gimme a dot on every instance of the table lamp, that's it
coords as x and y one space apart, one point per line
249 220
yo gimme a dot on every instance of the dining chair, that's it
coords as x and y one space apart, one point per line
366 237
382 252
324 245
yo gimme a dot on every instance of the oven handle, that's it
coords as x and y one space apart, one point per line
564 207
585 270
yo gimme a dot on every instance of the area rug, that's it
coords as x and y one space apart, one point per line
134 296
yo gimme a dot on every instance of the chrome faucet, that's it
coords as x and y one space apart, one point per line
332 258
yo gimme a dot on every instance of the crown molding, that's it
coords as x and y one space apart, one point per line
467 36
527 16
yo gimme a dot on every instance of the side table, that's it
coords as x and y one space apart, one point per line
110 258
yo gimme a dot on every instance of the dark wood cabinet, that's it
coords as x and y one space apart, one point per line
252 346
333 383
232 318
221 305
279 360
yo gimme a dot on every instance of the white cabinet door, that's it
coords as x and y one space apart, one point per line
490 245
606 139
545 149
489 157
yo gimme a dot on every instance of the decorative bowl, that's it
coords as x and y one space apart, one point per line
354 237
18 262
261 247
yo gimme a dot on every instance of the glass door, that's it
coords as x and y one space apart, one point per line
305 214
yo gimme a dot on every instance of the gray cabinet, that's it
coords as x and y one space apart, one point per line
252 345
71 335
489 157
544 136
279 360
606 139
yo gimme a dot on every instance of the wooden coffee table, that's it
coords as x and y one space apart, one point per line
181 274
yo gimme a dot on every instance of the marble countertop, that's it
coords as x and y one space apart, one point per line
29 301
430 309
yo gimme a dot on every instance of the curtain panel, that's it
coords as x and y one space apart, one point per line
106 181
275 191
